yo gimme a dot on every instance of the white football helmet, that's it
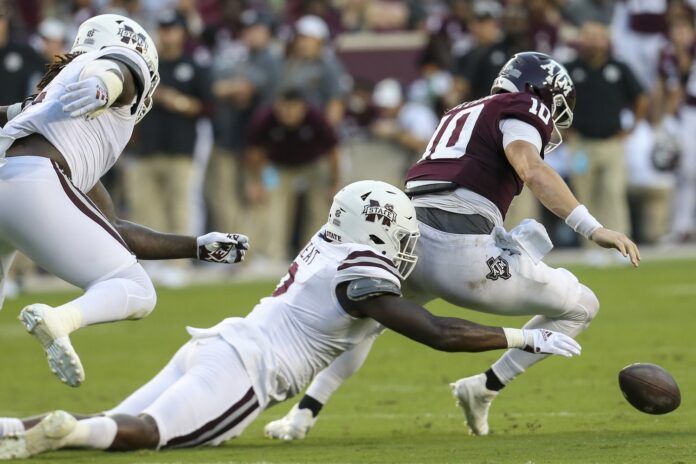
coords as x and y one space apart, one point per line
377 214
110 30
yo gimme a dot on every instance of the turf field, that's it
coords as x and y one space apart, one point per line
398 408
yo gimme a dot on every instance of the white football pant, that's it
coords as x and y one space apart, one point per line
472 271
45 217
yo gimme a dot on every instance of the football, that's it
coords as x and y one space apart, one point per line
649 388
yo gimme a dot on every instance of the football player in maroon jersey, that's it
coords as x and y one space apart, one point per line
478 160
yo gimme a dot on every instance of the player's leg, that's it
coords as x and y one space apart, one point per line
474 272
56 226
212 403
7 254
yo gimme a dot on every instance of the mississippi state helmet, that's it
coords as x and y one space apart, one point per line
110 30
379 215
545 78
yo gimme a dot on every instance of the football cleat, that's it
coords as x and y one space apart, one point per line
46 326
47 435
294 426
475 400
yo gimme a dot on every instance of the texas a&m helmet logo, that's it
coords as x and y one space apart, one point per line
130 37
375 212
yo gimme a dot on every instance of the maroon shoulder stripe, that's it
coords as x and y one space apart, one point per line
101 221
368 264
192 438
368 254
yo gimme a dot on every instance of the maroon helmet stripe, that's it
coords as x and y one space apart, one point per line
368 254
85 209
367 264
191 438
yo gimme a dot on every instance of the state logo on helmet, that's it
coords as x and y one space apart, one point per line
542 76
377 214
110 30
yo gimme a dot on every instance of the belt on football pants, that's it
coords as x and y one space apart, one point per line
454 223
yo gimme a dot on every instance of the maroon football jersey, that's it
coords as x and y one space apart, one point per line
467 147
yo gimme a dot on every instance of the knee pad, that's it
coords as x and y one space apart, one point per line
588 303
142 296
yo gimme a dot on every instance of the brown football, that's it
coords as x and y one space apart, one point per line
649 388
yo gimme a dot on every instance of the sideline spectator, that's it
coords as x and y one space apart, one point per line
159 177
243 72
477 69
292 149
312 67
20 65
608 88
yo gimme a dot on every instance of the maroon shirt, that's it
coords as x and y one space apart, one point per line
285 146
467 147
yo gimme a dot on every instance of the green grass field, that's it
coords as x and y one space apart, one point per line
398 407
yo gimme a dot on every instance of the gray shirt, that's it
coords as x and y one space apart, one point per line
233 60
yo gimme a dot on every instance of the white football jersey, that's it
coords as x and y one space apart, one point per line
90 145
295 333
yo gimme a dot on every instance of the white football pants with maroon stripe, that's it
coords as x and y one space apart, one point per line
202 397
473 272
45 217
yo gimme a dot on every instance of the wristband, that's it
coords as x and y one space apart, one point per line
515 338
582 222
13 110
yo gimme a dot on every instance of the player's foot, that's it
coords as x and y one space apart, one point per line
475 400
45 324
294 426
47 435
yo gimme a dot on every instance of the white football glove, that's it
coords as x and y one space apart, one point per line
84 97
217 247
294 426
544 341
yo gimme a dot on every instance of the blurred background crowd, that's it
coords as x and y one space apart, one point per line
267 107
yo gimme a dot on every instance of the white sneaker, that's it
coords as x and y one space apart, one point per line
475 400
294 426
47 435
45 324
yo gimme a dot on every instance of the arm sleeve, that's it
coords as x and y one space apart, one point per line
328 380
514 129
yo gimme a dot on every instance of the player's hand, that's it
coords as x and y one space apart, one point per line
294 426
544 341
217 247
608 238
84 97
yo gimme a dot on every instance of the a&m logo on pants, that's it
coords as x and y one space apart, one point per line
499 269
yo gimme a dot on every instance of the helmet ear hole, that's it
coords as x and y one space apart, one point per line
376 240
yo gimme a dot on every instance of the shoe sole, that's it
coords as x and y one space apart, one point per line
463 397
62 357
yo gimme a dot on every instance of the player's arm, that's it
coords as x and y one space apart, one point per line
103 83
149 244
552 191
441 333
380 300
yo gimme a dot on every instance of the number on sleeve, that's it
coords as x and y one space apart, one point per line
453 134
540 110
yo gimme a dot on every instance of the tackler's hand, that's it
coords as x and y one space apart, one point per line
217 247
